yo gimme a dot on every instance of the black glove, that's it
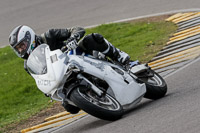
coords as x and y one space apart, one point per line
71 43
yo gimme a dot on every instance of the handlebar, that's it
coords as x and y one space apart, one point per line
64 49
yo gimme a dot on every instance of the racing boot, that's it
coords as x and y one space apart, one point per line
116 54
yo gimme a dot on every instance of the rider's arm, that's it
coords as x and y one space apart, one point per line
77 32
62 34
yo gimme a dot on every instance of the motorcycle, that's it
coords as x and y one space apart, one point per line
97 85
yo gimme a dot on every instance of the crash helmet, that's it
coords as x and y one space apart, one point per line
22 41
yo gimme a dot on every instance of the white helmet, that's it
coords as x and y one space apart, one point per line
22 40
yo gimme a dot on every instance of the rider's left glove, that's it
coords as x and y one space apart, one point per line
71 43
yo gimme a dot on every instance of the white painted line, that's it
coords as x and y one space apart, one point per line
151 15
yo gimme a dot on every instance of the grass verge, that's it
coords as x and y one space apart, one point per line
19 96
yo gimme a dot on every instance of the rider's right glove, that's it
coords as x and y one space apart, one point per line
71 43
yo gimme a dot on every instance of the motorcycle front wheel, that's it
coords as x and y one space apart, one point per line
105 107
155 85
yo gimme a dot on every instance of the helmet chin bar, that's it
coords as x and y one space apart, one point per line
25 56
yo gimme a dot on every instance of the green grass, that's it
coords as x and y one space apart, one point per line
141 40
19 96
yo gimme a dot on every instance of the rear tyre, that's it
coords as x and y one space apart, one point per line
106 107
156 86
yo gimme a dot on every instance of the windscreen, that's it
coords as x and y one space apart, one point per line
37 61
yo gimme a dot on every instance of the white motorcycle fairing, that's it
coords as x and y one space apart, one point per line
125 88
47 69
50 71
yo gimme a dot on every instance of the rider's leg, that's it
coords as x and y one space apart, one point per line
97 42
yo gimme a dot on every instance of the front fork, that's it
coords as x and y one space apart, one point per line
91 85
83 81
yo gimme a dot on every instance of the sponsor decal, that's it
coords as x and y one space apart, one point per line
44 82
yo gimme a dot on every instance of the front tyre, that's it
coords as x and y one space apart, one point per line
156 86
106 107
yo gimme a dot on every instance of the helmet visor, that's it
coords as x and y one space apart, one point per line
22 47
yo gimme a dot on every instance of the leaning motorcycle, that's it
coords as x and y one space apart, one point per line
99 86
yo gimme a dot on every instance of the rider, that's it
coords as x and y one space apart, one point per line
23 40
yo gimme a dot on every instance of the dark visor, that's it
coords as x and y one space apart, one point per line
22 47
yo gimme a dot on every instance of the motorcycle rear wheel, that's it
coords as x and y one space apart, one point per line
156 86
106 107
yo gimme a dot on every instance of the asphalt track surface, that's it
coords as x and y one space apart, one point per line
177 112
42 15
